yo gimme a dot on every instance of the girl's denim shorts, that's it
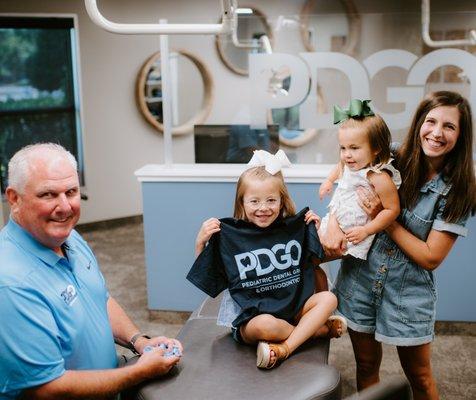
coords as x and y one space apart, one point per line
236 335
387 295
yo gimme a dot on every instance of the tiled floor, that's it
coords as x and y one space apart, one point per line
120 251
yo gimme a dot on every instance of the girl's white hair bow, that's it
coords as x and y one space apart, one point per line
271 162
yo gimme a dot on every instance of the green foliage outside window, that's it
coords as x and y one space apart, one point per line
37 94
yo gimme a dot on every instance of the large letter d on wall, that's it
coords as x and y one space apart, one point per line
267 72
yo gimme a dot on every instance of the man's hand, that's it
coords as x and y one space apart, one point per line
142 342
87 384
153 363
356 234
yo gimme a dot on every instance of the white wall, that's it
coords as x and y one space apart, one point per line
116 139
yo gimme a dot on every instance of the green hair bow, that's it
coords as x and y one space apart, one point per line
357 109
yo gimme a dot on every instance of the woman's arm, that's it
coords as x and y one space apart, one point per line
333 240
388 195
369 201
427 254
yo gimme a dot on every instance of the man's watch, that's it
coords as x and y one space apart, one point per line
133 340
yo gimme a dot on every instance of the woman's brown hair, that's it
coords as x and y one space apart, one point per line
287 205
378 135
458 169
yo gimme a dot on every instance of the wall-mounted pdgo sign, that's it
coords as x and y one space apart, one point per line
304 69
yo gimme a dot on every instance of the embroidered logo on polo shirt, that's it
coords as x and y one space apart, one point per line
69 295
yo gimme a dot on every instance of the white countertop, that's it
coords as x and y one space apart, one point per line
299 173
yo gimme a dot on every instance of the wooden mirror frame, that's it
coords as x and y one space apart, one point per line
220 48
353 18
208 91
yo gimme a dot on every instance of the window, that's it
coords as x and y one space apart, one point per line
39 99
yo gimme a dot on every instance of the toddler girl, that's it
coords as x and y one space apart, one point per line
264 256
364 141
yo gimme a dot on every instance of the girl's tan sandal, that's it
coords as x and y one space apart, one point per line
263 354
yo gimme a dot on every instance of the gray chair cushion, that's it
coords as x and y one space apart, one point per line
214 366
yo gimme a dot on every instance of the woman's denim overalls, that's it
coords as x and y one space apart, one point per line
388 294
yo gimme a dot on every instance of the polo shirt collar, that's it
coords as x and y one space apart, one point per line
30 244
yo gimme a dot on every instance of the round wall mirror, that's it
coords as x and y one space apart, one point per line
191 91
252 24
324 24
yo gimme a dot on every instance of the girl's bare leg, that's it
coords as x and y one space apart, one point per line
320 280
265 327
317 309
321 284
313 316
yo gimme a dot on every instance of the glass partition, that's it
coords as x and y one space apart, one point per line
326 56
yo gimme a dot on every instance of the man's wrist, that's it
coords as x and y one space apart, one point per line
134 339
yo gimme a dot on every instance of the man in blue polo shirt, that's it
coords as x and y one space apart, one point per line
58 322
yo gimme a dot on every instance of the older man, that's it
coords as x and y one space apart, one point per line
58 322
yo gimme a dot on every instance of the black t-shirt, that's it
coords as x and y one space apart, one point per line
267 270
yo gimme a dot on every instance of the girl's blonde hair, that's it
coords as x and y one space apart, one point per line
378 135
287 205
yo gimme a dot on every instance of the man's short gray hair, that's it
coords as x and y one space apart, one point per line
19 165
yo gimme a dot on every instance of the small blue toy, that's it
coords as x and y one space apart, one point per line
174 352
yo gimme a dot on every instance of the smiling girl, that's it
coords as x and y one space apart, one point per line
265 256
364 141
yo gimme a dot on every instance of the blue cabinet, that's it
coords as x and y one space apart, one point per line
174 212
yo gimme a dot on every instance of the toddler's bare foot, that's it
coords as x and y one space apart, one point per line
334 327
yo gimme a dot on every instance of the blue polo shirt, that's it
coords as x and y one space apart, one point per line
53 314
